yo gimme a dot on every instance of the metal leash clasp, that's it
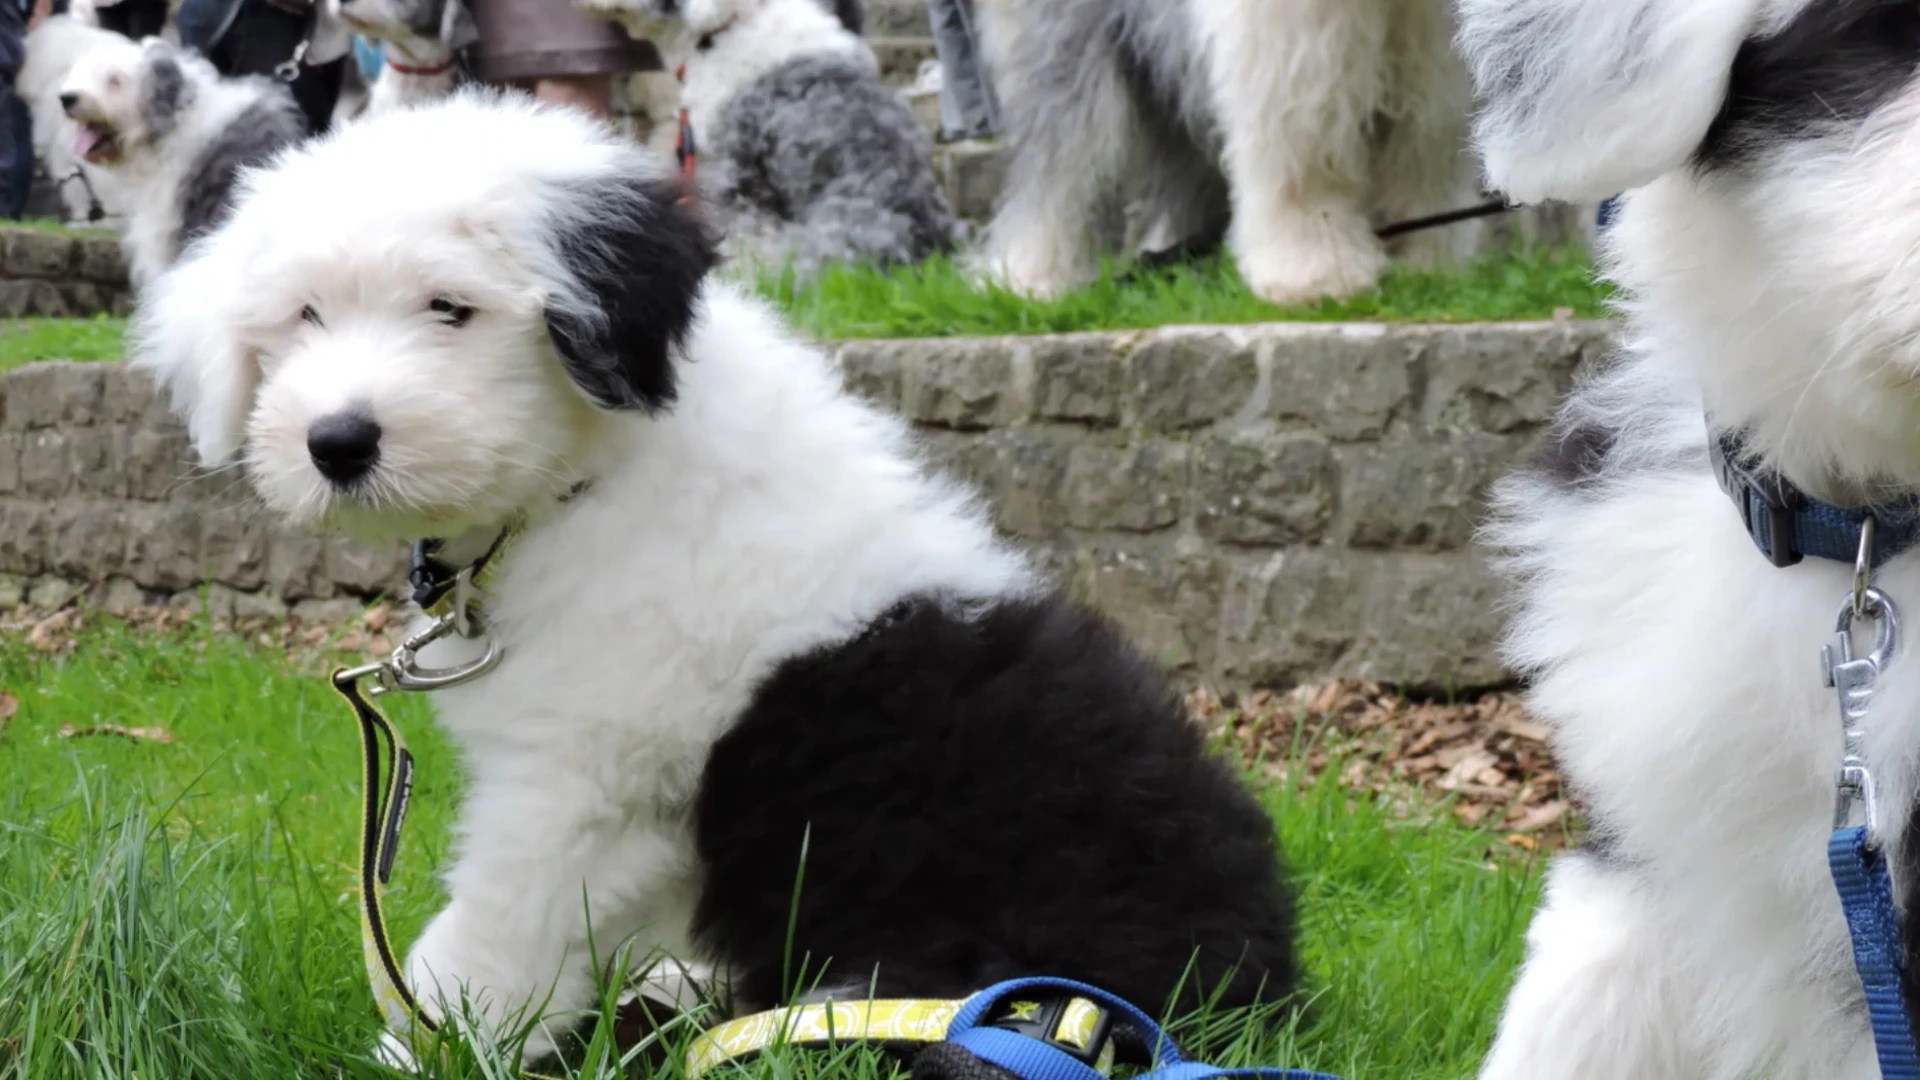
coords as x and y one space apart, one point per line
403 670
1852 678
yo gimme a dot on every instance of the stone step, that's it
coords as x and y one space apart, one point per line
903 17
900 57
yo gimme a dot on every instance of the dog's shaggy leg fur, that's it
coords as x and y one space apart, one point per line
1071 125
1295 84
1422 123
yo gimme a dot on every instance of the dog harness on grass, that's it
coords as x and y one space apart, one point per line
1787 526
1035 1029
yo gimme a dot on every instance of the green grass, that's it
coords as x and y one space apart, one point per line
182 910
23 341
939 298
55 225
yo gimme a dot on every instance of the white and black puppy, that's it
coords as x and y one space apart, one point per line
421 40
53 48
1310 122
742 620
174 135
1767 253
804 155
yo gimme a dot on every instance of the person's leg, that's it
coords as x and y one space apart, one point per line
14 145
594 93
967 107
262 38
20 177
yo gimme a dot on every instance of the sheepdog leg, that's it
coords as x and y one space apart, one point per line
536 862
1071 125
1602 996
1295 84
1421 160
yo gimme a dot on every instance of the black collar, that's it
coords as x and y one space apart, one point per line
433 574
1787 525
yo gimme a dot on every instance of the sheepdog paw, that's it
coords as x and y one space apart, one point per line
1311 259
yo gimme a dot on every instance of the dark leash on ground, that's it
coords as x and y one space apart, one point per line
1212 239
1023 1029
1788 526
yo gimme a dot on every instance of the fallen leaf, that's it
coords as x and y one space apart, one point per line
141 734
9 707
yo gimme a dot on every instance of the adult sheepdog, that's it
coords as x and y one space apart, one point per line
53 47
741 618
422 40
1310 122
174 135
804 156
1766 254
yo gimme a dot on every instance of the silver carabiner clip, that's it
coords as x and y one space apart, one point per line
1852 679
289 69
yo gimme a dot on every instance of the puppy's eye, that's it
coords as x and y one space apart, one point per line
450 313
307 314
114 82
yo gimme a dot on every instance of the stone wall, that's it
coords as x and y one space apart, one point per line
1258 506
60 274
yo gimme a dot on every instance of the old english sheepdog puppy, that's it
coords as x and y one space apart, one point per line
742 617
422 39
805 156
1310 122
1772 352
53 48
174 135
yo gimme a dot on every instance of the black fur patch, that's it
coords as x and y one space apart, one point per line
1573 456
252 138
1834 64
1016 793
852 15
164 91
640 258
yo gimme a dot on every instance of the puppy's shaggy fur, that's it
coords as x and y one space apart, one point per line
174 135
804 155
1312 121
1767 258
421 39
53 47
763 625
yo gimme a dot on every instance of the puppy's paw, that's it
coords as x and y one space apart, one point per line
1311 264
395 1054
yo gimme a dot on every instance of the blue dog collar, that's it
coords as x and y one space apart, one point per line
1787 525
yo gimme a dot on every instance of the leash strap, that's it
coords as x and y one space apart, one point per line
383 810
1866 894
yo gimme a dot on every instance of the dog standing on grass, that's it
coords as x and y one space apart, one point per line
174 135
1309 122
741 620
1766 253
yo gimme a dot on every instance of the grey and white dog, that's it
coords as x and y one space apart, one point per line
1310 122
804 156
174 135
421 39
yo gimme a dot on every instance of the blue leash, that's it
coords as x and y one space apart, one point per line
1033 1059
1866 893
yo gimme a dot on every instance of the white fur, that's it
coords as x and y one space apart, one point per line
1297 93
149 173
53 47
1679 670
765 513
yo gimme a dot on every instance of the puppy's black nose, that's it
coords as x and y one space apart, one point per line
344 446
68 101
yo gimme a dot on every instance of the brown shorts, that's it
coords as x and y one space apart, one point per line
542 39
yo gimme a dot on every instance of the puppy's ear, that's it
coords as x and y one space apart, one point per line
457 29
1582 99
165 91
182 337
631 258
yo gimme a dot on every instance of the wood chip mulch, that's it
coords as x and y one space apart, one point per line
1483 759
